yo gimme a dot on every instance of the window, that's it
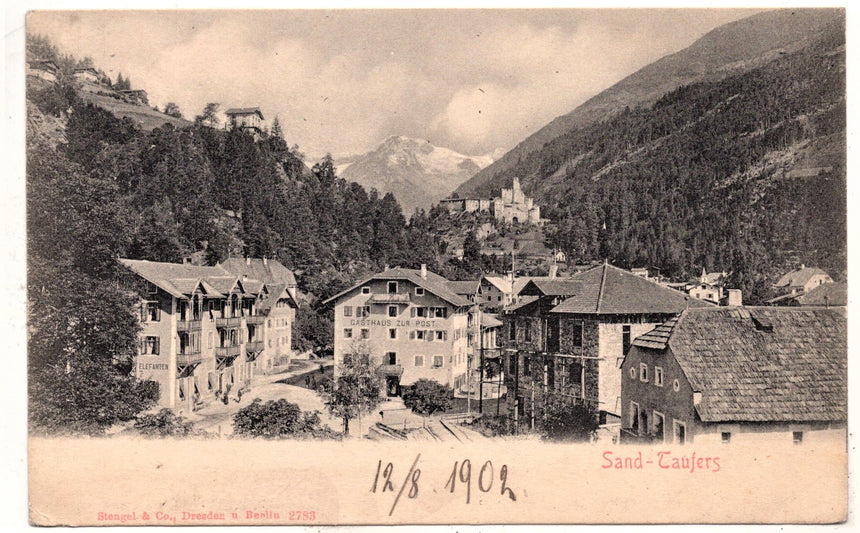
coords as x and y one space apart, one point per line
658 376
577 334
632 372
441 312
392 311
528 333
634 417
419 291
365 290
513 331
659 430
797 437
643 372
392 333
151 288
625 339
420 334
419 360
344 314
362 312
151 346
441 335
676 385
347 311
365 333
151 312
347 333
392 287
391 358
726 437
680 432
211 340
438 361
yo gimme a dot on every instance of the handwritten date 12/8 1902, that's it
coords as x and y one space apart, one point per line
484 480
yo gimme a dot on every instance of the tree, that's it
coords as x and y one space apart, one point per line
427 397
172 110
278 419
357 388
567 419
276 128
209 116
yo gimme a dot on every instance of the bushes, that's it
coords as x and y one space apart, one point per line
276 419
164 424
427 397
567 420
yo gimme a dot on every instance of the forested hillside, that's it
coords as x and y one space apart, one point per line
746 174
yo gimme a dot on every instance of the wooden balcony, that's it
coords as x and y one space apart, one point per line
228 322
394 298
189 325
228 351
255 320
189 357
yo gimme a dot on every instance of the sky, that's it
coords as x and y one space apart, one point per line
341 81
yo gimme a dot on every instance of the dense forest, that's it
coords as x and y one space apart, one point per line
703 178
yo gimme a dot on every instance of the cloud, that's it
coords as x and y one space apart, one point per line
341 81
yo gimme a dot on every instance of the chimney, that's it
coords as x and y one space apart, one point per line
697 398
247 260
423 271
553 271
265 260
734 298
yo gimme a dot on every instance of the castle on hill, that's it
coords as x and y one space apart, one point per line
513 206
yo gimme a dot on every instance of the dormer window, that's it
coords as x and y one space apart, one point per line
419 291
365 290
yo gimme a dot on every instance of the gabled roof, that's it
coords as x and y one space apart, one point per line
609 290
270 271
86 69
550 287
500 282
177 279
522 303
433 283
799 277
760 364
275 292
490 321
244 111
465 287
826 294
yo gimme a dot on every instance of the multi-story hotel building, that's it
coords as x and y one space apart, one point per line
202 329
412 324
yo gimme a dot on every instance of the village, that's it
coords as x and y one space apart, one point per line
595 353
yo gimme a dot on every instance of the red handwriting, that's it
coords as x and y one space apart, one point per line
664 460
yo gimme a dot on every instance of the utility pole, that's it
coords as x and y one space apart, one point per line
481 385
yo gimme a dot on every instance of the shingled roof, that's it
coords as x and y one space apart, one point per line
760 364
609 290
180 279
799 277
465 287
270 271
826 294
550 287
433 283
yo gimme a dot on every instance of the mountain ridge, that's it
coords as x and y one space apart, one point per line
728 49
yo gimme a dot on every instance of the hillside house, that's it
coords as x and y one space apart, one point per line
135 96
409 322
245 118
202 329
738 374
87 74
802 280
496 292
570 338
44 69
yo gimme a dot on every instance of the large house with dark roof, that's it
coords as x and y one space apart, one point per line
411 322
738 374
245 118
568 336
203 329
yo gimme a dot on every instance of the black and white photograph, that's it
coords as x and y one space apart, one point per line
474 245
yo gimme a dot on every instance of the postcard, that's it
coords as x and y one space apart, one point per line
436 266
